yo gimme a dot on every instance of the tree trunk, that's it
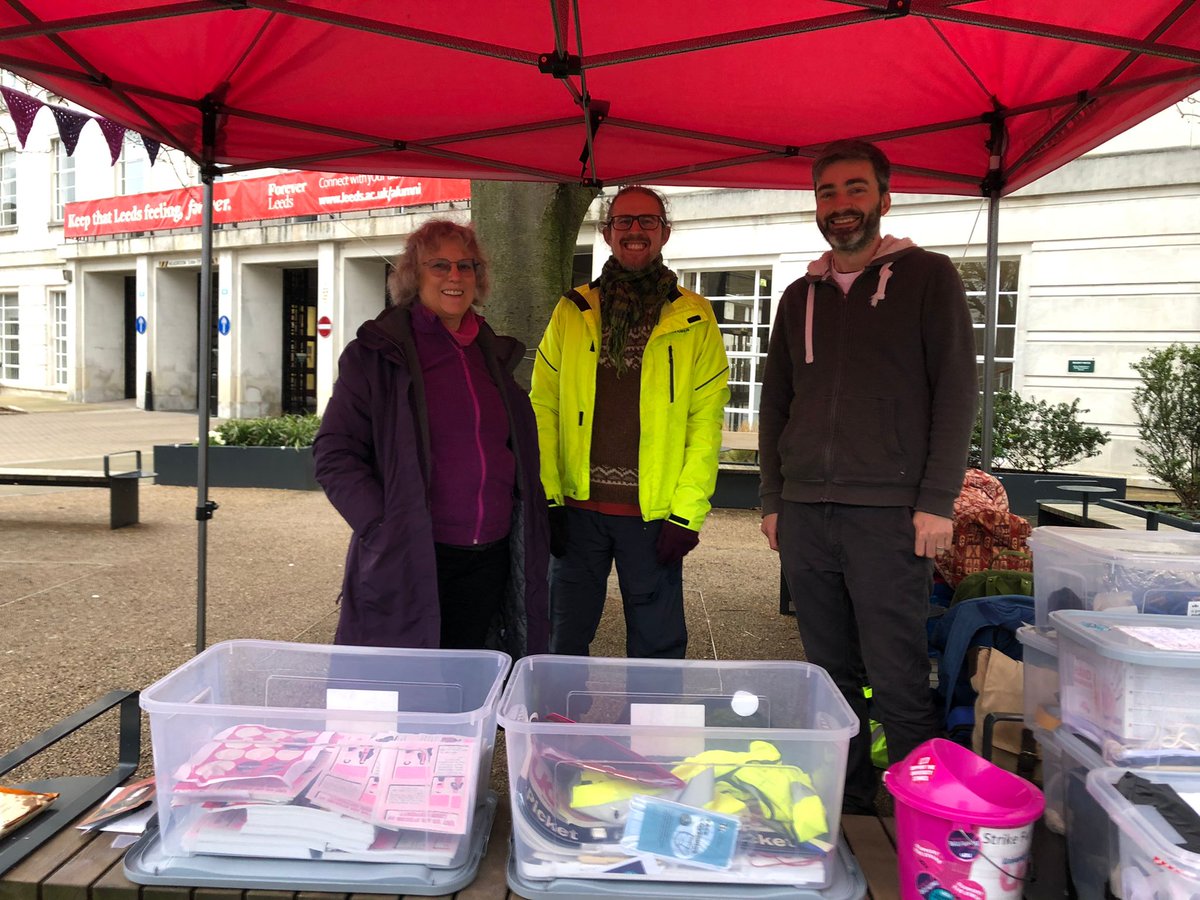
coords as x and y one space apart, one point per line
528 231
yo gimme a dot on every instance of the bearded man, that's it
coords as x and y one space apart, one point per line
867 408
629 390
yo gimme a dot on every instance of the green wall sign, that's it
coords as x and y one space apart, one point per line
1081 365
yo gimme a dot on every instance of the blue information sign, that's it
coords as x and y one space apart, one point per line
223 324
140 324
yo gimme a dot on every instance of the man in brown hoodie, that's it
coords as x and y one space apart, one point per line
867 408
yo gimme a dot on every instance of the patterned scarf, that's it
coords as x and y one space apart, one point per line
626 298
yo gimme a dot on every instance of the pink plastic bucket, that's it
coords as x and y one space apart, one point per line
963 825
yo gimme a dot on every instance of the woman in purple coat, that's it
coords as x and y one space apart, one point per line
428 449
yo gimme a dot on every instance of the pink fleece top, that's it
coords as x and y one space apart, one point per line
473 471
821 269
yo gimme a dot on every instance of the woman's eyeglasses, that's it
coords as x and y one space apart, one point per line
647 222
442 266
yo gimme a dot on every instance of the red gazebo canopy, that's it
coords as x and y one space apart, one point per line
687 92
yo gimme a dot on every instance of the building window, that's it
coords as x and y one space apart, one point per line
974 276
10 337
8 188
131 169
62 186
58 316
741 299
581 266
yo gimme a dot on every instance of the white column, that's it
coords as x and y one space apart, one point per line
143 292
173 331
258 336
229 385
329 300
99 337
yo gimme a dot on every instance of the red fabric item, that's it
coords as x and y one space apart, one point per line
986 534
685 92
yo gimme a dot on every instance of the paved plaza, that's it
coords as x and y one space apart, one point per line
85 609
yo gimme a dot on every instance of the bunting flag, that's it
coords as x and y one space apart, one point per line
70 123
23 110
114 134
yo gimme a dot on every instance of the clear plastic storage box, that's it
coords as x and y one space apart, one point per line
1040 669
1053 784
1154 572
1130 679
675 770
1153 863
306 751
1091 836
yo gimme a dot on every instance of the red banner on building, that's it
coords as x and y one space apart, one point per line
252 199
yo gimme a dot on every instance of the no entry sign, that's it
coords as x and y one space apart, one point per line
324 326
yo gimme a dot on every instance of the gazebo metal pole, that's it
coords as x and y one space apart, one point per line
204 507
204 368
993 185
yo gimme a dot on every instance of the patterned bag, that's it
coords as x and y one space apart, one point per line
986 534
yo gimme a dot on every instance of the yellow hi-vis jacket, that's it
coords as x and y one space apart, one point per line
684 389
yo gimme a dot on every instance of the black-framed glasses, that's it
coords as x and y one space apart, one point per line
442 267
647 222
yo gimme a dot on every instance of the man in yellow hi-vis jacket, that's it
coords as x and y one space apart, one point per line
629 389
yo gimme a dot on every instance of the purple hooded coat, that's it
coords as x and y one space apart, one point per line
372 459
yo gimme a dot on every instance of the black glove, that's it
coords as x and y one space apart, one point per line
675 542
558 531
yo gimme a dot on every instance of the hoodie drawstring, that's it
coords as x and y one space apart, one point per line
819 270
808 319
884 274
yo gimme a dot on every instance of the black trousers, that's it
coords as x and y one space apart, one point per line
862 598
652 595
471 586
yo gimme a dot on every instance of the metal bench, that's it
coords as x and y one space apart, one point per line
79 865
77 793
122 486
739 440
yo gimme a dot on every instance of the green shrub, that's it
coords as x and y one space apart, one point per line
269 431
1036 436
1168 410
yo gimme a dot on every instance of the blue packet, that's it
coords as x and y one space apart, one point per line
682 834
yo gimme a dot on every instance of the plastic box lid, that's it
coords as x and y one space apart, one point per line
847 883
147 863
1145 549
1102 632
1043 641
1077 747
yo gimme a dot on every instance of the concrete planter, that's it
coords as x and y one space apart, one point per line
262 467
1025 489
737 487
1153 517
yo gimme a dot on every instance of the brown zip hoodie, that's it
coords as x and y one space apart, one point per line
869 397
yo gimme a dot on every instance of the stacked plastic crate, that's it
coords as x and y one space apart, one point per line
1111 667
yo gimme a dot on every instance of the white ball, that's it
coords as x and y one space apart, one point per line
744 703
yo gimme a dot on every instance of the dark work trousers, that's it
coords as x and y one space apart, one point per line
652 595
862 598
471 586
